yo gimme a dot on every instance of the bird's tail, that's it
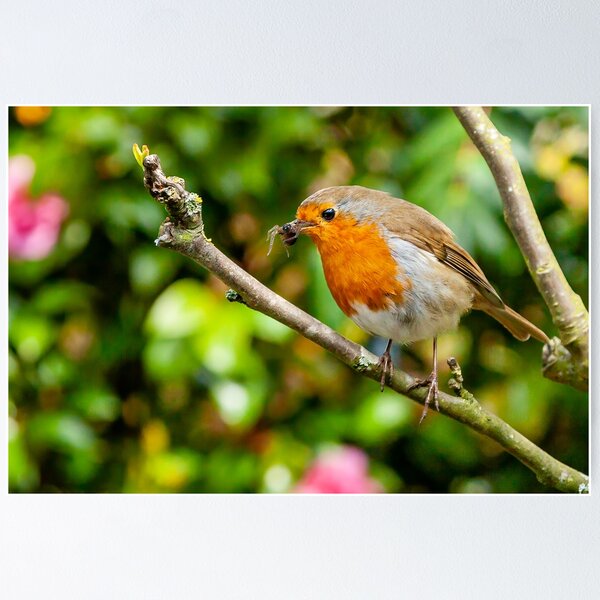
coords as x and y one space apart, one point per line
519 326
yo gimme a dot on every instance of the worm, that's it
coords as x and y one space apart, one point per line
274 231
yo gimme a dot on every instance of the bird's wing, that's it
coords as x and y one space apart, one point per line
429 233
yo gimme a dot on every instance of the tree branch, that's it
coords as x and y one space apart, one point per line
183 232
565 361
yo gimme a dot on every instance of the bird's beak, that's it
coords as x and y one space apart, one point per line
290 231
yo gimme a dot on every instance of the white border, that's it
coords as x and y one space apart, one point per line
234 53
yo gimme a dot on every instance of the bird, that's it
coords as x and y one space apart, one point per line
396 271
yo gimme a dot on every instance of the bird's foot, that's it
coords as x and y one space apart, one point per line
387 368
430 382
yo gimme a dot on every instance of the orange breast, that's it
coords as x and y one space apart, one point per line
358 265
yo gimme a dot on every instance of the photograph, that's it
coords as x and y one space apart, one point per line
298 299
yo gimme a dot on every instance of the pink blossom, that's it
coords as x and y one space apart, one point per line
340 470
33 225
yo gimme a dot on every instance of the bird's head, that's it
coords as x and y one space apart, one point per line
332 214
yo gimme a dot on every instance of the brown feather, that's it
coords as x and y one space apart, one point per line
519 326
414 224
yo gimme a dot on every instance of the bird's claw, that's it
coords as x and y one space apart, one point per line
430 382
387 368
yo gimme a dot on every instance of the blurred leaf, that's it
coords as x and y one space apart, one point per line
31 335
239 405
168 359
390 480
23 474
381 417
150 269
180 310
96 404
171 471
442 445
230 471
57 370
266 328
60 431
62 296
102 129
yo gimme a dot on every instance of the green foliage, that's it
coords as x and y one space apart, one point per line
130 371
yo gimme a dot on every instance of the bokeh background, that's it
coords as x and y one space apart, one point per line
130 372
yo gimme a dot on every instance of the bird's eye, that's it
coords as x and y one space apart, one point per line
328 214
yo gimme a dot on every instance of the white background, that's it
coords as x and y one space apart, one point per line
173 52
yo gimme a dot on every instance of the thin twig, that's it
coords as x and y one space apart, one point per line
566 360
184 233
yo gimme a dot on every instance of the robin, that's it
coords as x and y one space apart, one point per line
396 271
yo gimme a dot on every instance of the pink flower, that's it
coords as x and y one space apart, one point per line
33 225
341 470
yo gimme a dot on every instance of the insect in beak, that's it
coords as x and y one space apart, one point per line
289 232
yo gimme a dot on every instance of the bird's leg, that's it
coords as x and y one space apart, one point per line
386 364
432 383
